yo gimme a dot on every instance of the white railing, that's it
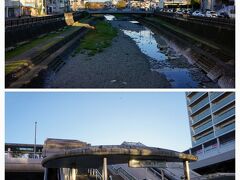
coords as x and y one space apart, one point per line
97 174
122 172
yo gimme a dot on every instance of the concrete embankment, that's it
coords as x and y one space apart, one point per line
209 56
221 31
43 54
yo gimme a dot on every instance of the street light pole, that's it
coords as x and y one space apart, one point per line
19 8
35 138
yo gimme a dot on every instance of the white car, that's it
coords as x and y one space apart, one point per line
179 12
211 14
197 13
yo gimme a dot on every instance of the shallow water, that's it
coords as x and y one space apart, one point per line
179 77
109 17
145 40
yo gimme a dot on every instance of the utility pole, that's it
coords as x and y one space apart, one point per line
35 138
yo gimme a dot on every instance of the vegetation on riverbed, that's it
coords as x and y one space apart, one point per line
95 41
14 66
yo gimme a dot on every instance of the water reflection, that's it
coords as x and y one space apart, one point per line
109 17
179 77
134 22
146 42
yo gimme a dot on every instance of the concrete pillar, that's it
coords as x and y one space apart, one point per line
6 12
45 174
218 144
73 173
104 174
203 150
61 173
186 170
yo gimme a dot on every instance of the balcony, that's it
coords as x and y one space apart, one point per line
227 146
225 129
196 97
223 102
215 95
225 115
201 116
203 127
13 4
200 105
203 139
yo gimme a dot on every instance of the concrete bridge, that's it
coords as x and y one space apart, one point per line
113 11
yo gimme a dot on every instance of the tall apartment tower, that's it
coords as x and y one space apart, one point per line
212 127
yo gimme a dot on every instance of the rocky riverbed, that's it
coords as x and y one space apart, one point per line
122 65
137 58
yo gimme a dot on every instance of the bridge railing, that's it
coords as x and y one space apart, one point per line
31 20
27 155
122 172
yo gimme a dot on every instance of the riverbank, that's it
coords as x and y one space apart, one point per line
122 65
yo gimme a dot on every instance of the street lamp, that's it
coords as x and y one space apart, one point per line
35 138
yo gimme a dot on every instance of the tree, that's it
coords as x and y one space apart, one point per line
121 4
195 3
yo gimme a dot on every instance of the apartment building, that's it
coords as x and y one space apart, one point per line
215 4
212 127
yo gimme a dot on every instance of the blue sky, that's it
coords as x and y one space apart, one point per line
155 119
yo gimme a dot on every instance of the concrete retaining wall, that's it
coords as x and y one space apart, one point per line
218 34
24 32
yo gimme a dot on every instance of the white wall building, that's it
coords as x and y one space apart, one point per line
57 6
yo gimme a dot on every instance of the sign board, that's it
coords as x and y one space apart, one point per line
146 164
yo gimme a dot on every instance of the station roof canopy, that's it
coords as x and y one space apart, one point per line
92 156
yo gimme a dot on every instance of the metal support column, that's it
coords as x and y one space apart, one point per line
104 174
162 174
186 170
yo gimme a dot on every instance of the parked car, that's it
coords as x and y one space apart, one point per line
198 13
186 13
232 13
170 10
211 14
223 15
179 12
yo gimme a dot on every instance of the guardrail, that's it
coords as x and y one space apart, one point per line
27 155
31 20
158 174
95 173
204 20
